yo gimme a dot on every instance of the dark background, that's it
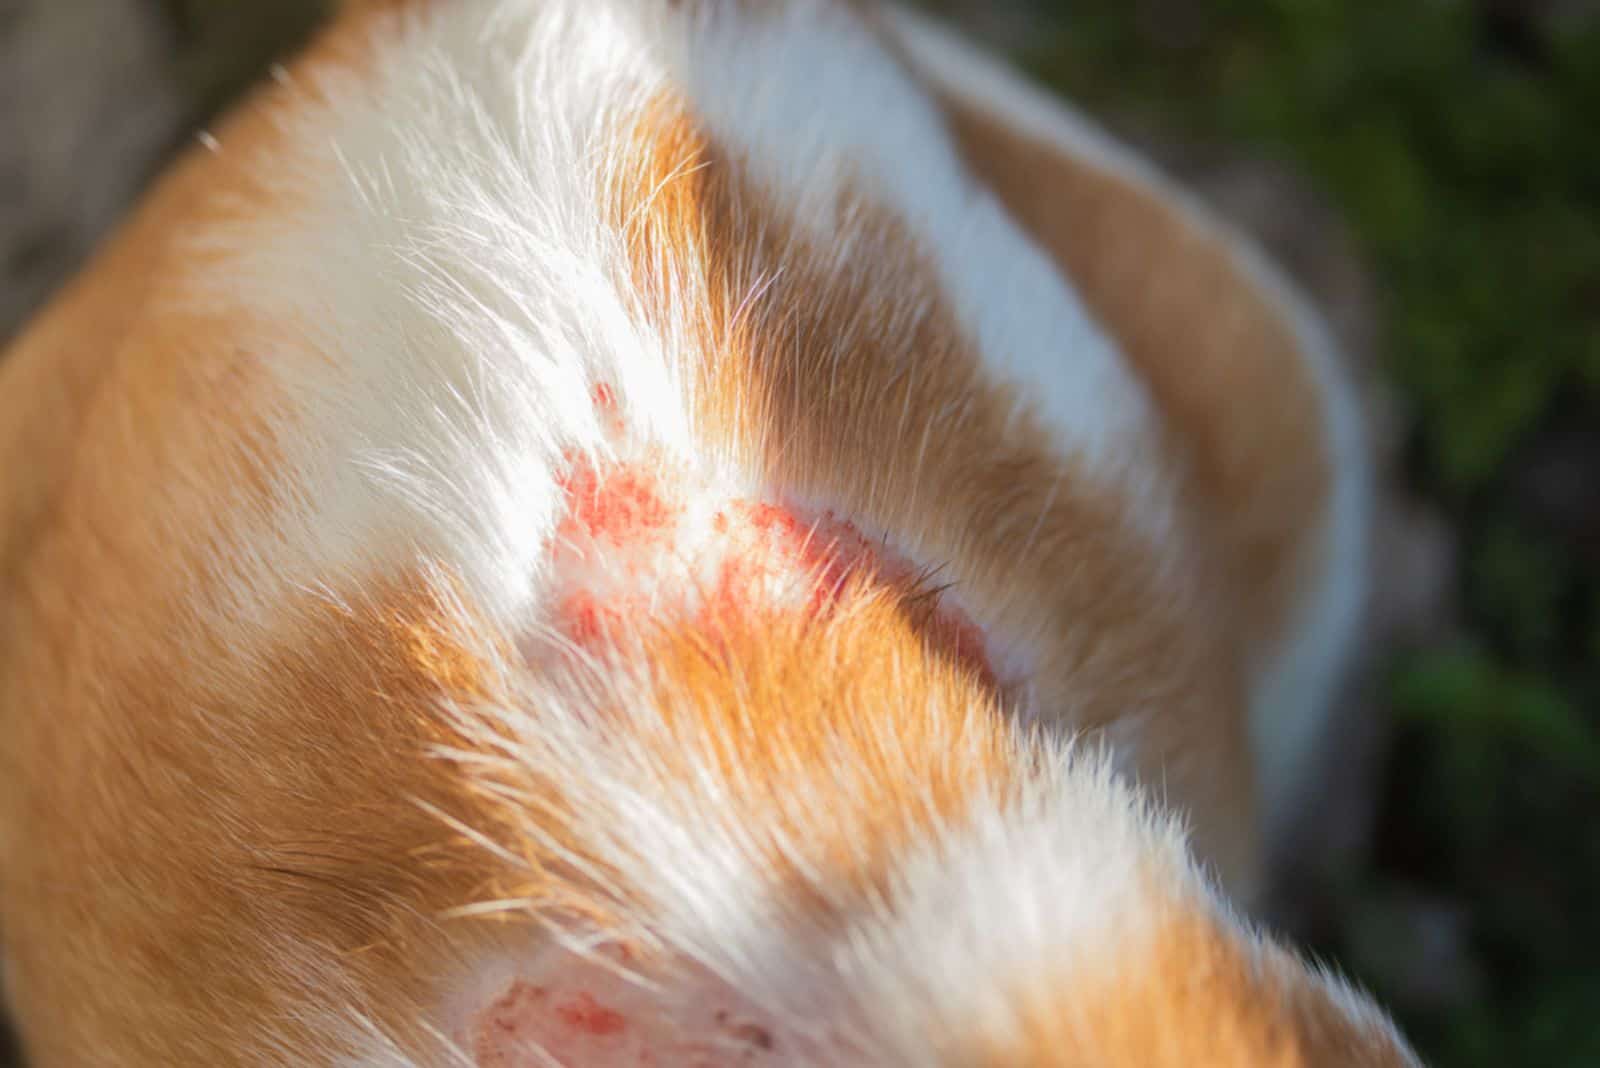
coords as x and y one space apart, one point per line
1430 169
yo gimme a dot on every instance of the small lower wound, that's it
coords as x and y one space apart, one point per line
603 1021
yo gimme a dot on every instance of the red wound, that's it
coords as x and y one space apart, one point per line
644 541
584 1014
621 507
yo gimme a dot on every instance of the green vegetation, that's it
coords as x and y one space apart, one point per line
1462 143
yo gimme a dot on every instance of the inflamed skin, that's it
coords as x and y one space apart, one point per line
691 533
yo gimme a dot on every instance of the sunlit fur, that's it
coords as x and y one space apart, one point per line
305 757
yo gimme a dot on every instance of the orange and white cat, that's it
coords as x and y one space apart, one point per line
667 532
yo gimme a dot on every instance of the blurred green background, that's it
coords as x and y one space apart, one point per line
1459 142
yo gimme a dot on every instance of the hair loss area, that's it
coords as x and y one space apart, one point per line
599 1012
647 540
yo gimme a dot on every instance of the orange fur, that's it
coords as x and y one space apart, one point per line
971 484
1196 997
135 425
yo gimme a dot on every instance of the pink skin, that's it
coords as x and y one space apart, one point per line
586 1013
647 539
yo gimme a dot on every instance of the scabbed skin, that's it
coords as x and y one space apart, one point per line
682 533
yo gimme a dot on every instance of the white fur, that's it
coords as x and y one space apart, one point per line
455 294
